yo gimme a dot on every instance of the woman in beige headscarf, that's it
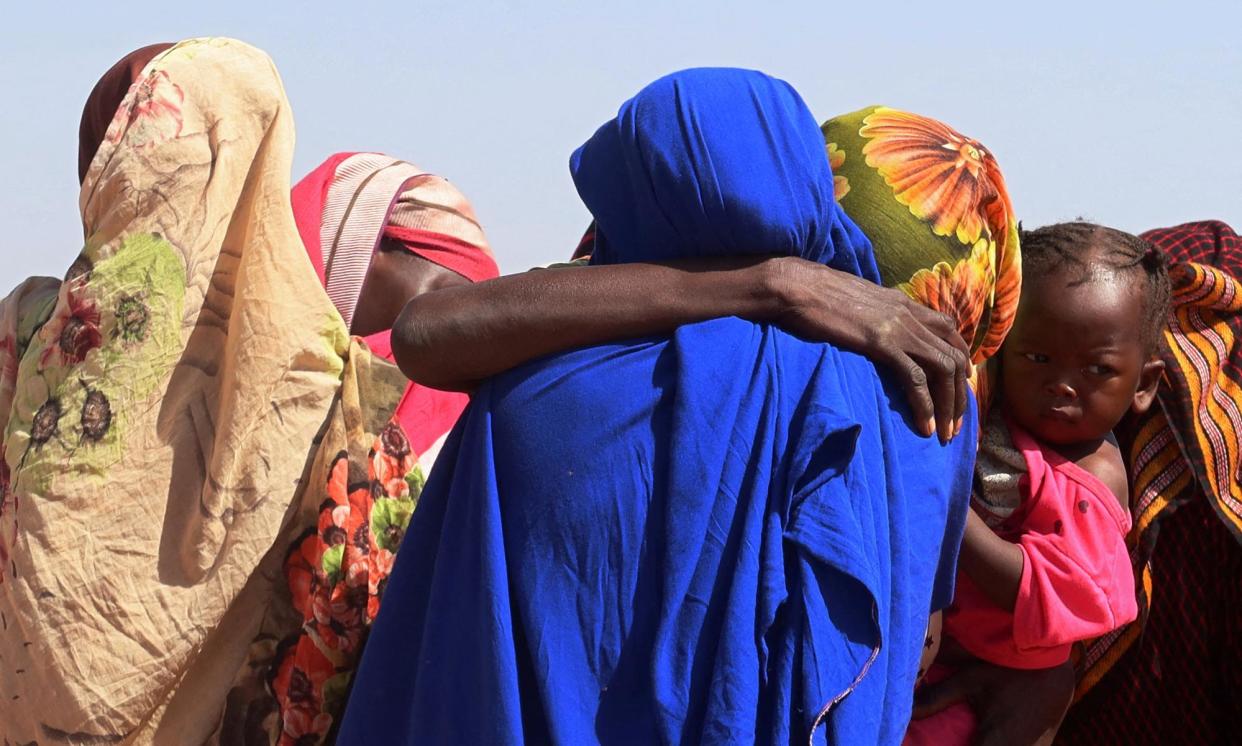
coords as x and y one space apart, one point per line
157 408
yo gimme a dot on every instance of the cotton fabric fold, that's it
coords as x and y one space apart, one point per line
725 535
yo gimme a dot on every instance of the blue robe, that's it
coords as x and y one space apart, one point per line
726 535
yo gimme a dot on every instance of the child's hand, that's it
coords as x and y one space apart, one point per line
1012 705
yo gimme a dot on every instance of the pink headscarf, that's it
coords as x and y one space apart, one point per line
352 200
344 208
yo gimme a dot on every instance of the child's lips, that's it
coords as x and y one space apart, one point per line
1061 414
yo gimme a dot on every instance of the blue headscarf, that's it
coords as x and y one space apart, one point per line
686 171
727 535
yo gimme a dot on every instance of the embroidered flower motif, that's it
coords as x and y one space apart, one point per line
334 533
389 519
392 459
382 561
302 573
154 114
942 176
338 605
46 422
298 684
337 572
72 331
836 159
394 442
96 415
415 481
132 318
341 620
335 692
356 571
361 538
342 516
303 726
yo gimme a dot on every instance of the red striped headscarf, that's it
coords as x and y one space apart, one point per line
344 208
352 200
1187 451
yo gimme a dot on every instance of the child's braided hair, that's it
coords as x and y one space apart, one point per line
1086 246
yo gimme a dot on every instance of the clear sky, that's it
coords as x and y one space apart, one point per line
1126 113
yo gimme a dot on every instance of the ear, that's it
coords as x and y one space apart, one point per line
1149 380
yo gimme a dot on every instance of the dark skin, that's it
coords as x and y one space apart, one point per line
1072 366
1011 706
396 275
454 338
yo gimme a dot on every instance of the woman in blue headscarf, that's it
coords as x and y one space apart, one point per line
708 536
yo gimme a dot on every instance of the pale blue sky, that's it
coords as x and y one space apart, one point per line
1129 117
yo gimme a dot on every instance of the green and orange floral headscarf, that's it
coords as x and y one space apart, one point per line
954 246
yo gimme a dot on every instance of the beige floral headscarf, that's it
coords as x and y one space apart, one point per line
157 424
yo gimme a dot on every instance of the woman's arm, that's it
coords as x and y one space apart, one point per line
453 338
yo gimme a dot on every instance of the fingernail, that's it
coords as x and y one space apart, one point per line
929 427
957 426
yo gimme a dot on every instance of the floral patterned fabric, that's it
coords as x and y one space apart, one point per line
106 98
176 415
22 314
361 490
955 247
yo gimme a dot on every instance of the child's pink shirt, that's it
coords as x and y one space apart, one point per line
1077 580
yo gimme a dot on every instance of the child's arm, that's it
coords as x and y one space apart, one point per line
995 565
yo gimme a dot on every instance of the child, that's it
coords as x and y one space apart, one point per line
1044 563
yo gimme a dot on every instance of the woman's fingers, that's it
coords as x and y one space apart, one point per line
941 324
946 394
961 392
945 329
914 381
961 385
944 373
921 346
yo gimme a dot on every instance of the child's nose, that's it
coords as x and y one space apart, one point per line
1061 389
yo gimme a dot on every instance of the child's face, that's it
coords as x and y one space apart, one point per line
1074 360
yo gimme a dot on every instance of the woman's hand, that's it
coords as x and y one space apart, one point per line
921 346
1012 706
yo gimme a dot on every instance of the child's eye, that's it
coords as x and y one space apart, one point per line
1099 370
1035 357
